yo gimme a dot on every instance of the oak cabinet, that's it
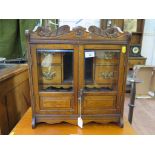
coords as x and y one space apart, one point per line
77 73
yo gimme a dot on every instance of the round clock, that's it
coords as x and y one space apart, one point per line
135 50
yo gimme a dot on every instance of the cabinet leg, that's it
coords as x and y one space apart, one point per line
33 122
121 122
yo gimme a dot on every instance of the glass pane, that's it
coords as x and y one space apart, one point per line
101 70
55 70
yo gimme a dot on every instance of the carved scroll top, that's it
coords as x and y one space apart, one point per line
79 30
47 32
112 32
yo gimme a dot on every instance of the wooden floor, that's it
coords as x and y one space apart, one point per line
144 115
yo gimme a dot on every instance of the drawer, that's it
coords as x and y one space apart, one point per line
106 61
136 62
56 102
55 58
99 104
50 75
106 74
108 57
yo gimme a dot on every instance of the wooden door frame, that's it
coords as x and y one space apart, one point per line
34 73
121 70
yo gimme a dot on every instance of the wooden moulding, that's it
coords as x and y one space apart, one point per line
63 35
73 120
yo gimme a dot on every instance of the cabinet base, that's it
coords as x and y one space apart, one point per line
86 119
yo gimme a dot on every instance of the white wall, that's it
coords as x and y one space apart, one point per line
79 22
148 43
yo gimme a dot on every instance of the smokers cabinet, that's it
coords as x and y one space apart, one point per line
76 73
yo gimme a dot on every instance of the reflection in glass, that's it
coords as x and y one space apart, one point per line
101 70
55 69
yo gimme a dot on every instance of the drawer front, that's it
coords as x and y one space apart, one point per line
106 61
136 62
55 102
51 75
56 58
107 57
99 104
106 74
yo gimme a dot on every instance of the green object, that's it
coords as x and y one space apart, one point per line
12 36
25 24
9 40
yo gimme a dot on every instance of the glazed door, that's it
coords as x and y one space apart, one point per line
55 85
101 78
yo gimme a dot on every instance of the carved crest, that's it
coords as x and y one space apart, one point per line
110 32
47 32
79 31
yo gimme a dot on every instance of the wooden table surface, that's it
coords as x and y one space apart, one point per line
24 128
12 71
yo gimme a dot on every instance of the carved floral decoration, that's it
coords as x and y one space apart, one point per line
47 32
112 32
79 31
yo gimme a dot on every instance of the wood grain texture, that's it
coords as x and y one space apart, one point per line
24 128
17 101
57 75
136 61
101 69
12 71
4 123
14 96
143 116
